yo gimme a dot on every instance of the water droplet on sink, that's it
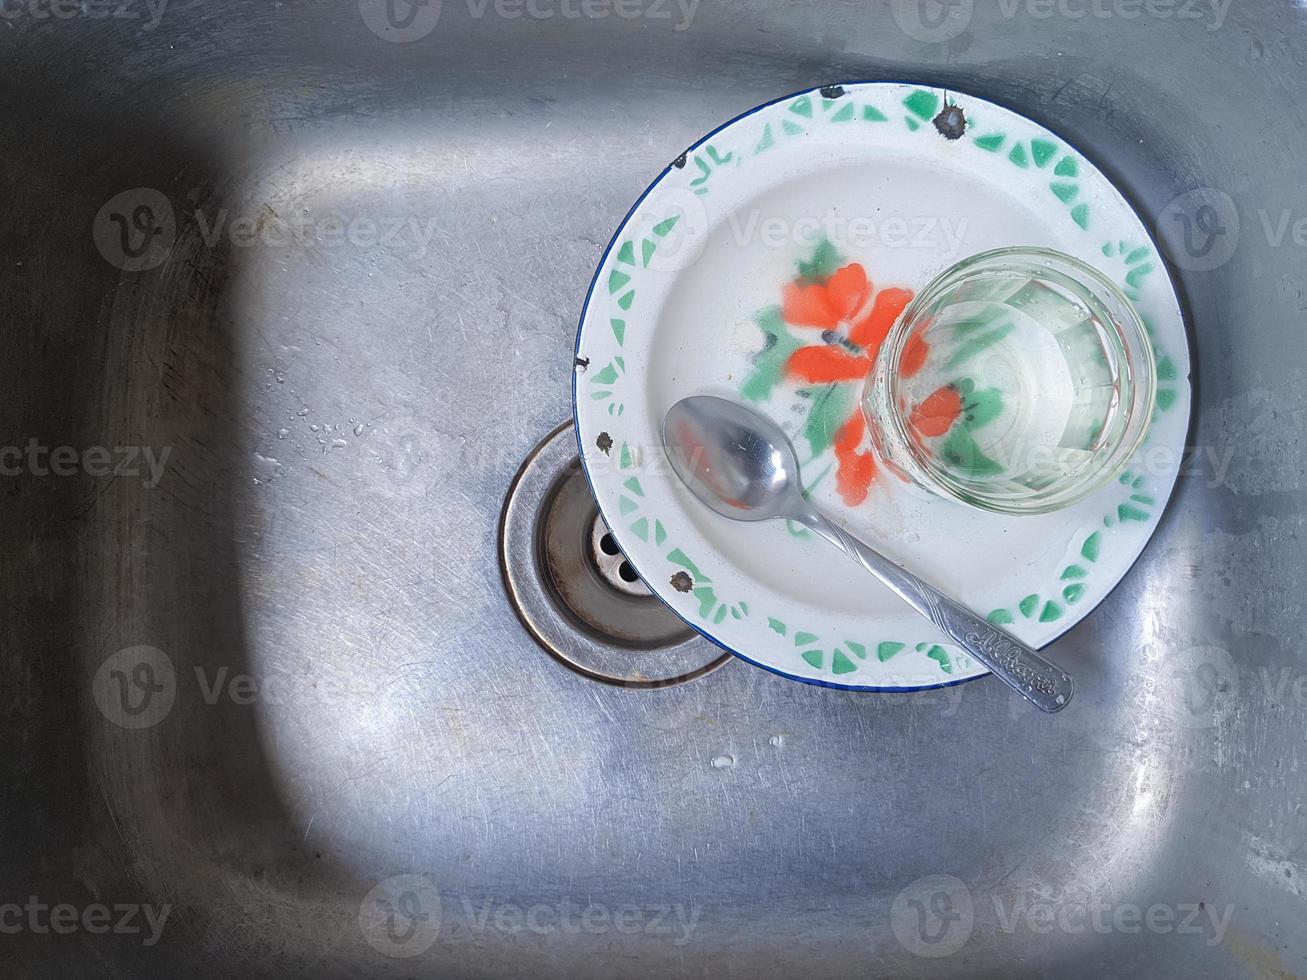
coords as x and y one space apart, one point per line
338 444
358 429
266 469
776 740
911 537
314 427
722 761
283 433
302 412
281 378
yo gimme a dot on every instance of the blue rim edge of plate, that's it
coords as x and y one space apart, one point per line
576 352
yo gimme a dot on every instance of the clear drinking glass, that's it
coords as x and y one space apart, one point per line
1019 381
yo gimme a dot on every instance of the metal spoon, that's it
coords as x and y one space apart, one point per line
742 466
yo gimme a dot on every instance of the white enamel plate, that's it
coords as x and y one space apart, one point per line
691 297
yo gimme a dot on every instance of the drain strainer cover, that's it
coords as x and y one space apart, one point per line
574 589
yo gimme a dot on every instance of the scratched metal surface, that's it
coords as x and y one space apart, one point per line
397 720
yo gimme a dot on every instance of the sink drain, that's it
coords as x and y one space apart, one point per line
574 589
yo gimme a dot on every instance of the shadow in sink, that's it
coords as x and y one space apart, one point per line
141 772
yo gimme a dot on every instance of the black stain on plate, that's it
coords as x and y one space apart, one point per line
951 122
679 162
682 582
831 91
604 442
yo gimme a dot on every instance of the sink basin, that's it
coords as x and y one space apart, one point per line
263 682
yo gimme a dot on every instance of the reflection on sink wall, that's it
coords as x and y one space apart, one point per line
391 242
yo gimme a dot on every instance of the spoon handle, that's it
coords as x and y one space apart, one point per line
1046 686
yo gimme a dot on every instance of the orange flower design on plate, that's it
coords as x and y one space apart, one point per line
825 337
854 319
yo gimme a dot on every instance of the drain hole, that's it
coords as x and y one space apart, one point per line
611 564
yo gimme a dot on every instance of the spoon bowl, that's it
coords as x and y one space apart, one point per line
730 460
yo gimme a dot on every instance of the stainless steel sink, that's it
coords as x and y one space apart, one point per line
329 258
